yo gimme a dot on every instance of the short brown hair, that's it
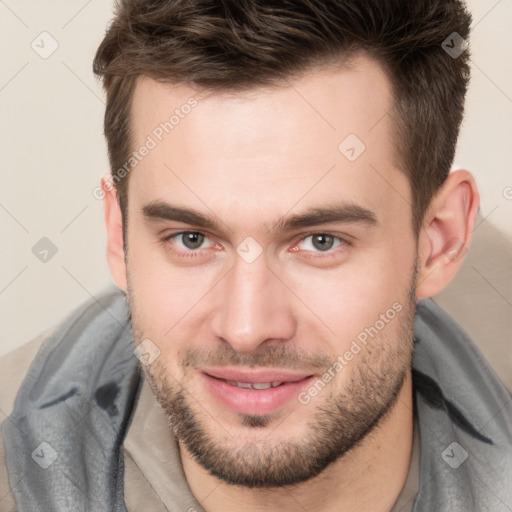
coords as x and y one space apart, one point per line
232 45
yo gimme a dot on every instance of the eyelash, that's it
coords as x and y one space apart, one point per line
344 244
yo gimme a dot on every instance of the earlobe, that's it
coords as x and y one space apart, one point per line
114 226
446 233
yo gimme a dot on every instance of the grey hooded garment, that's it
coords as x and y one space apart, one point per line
76 402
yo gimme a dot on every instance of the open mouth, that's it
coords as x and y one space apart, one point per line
255 385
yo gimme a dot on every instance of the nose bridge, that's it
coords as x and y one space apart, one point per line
253 307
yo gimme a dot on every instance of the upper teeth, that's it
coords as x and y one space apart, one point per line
254 385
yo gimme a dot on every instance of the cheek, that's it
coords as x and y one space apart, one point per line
155 294
160 298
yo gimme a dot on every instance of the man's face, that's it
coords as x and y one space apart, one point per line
284 324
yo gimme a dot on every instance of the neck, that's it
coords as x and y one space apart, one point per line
368 477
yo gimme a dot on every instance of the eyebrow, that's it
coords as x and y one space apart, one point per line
344 212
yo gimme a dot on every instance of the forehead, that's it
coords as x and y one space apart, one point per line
322 138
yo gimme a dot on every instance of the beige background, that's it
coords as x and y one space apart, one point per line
53 154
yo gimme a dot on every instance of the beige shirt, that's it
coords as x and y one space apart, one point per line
154 477
405 501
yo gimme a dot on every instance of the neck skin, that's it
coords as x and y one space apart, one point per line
369 477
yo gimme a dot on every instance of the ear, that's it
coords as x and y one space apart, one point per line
446 232
114 226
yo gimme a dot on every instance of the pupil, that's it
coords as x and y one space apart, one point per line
323 242
192 240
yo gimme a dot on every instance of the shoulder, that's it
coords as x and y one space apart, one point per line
14 366
101 312
108 304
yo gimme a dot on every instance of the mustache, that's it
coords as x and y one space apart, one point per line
271 356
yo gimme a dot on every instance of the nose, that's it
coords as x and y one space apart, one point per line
254 307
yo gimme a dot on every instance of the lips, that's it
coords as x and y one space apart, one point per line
254 391
255 376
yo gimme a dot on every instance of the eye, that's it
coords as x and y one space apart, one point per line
319 242
191 239
188 241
